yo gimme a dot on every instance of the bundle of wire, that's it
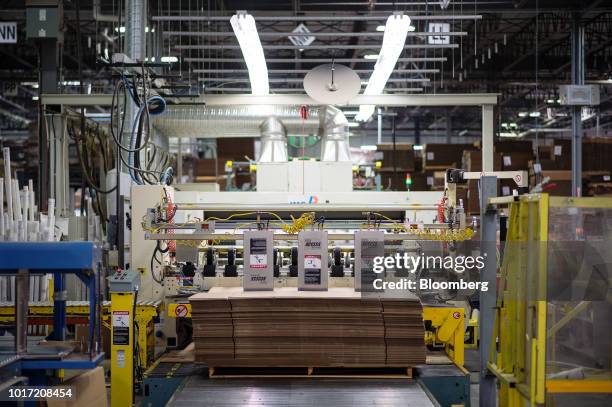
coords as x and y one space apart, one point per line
140 134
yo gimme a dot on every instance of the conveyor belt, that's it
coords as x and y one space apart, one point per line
200 391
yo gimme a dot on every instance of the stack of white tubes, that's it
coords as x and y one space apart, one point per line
22 222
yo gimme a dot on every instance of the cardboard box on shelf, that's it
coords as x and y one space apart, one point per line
393 181
444 156
513 146
472 161
401 159
516 161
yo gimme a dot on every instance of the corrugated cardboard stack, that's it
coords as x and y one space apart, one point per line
229 149
437 158
556 164
472 162
285 328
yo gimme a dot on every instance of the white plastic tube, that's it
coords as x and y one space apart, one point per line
26 204
1 209
51 218
32 201
6 154
16 201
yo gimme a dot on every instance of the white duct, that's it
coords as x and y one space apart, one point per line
273 141
232 121
335 143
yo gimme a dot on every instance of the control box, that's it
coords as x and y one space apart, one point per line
312 262
258 261
368 245
124 281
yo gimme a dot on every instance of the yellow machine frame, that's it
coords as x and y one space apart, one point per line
448 331
122 355
145 314
521 323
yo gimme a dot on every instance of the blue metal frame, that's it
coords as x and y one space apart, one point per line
59 258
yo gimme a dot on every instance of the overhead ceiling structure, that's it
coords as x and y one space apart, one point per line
518 48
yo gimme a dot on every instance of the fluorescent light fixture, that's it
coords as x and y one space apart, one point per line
370 56
522 114
352 124
534 114
120 29
34 97
380 28
350 112
550 101
245 30
508 134
368 148
411 28
169 59
417 147
394 39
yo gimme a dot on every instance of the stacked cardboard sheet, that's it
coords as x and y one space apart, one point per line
288 328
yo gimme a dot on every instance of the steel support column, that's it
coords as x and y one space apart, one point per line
48 57
488 299
577 79
487 137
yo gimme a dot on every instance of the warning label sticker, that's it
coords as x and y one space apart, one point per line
258 261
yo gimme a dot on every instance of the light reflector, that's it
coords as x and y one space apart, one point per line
396 30
245 30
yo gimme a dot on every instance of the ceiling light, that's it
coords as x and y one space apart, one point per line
380 28
370 56
522 114
350 112
120 29
245 30
550 101
169 59
34 97
353 124
417 147
508 134
368 148
411 28
534 114
394 39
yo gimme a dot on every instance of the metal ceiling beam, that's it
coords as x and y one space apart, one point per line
381 17
300 80
312 60
310 34
303 71
313 47
301 91
439 99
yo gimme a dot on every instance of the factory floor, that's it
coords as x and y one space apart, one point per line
201 391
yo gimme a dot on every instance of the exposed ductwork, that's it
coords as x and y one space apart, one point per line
232 121
272 122
273 141
335 143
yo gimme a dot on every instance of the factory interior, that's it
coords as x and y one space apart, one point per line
306 203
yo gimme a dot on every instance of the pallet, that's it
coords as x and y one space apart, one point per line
310 372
